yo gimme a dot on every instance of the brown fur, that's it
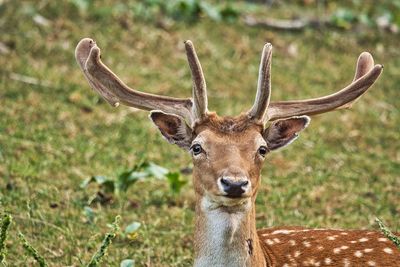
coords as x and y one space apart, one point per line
226 125
328 247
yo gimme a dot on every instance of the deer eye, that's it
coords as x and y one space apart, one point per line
263 150
196 149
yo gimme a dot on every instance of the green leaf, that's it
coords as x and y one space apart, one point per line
212 12
127 263
105 183
108 186
128 178
89 214
133 227
99 179
86 182
175 182
131 230
156 170
229 13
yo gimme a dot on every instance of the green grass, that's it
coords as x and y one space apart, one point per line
31 251
342 172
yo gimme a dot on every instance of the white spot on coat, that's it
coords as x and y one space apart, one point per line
269 242
336 250
358 254
284 232
388 250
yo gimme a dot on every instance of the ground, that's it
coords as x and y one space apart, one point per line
55 132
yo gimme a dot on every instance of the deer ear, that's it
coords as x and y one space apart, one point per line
282 132
173 128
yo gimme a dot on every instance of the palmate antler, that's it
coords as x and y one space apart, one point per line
114 91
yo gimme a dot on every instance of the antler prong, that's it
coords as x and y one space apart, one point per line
199 82
365 62
260 106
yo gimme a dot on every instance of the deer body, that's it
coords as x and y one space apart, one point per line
328 247
228 154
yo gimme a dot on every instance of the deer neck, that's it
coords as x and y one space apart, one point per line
226 236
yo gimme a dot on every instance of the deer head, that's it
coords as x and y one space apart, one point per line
227 152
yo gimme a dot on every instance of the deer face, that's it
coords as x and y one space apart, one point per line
228 153
227 165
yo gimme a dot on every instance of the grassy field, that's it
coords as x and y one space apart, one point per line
55 132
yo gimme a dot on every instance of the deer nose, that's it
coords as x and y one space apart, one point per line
234 188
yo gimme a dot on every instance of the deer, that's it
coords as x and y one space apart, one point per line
228 153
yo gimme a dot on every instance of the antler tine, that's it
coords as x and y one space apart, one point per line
114 91
260 106
365 62
365 76
199 83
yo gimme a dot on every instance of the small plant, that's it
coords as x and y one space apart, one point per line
139 172
5 223
389 235
32 251
96 259
131 231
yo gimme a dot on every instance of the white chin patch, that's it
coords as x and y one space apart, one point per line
211 202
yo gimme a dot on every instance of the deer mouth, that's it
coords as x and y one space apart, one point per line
230 205
234 196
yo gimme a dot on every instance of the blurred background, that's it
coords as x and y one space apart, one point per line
69 163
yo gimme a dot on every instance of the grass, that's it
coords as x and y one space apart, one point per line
389 235
99 255
5 224
31 251
342 172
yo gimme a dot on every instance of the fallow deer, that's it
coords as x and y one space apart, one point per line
228 153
